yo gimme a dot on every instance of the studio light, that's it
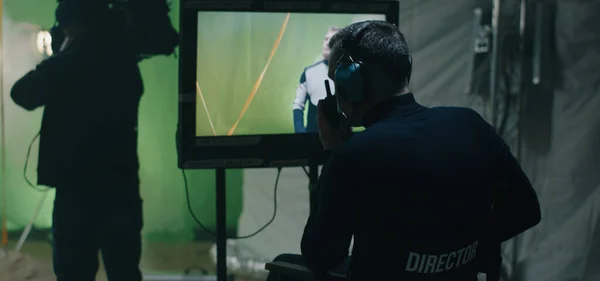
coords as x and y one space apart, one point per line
44 43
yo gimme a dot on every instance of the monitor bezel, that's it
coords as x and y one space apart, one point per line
249 151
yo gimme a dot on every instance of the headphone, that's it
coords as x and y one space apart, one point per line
72 11
350 78
58 37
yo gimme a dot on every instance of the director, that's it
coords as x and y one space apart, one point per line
416 187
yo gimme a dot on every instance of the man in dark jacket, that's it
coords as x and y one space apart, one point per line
415 190
90 90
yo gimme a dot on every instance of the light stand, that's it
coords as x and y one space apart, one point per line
221 197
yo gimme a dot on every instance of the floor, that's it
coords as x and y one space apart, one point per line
282 236
158 258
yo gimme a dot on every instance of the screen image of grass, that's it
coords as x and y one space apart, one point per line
249 66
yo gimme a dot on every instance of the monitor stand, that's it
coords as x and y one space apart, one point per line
221 223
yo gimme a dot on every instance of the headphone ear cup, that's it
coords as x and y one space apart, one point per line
58 37
349 81
341 73
357 83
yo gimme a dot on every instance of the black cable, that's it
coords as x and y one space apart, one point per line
510 58
306 171
189 205
27 164
187 195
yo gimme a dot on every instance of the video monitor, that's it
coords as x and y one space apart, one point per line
260 70
263 73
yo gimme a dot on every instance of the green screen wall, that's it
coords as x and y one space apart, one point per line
166 215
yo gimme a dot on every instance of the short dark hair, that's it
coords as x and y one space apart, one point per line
381 45
83 13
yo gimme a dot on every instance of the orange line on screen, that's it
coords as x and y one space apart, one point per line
262 75
199 91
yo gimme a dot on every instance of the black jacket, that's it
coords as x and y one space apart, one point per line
415 190
90 94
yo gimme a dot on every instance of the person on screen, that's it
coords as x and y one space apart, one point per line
415 190
312 89
90 90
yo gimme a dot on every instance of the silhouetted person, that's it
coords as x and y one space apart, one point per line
415 188
90 90
311 89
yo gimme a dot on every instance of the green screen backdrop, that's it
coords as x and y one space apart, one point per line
165 210
234 49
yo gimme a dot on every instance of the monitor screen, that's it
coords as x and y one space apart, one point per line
263 73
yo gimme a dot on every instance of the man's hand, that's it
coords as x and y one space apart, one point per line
330 136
